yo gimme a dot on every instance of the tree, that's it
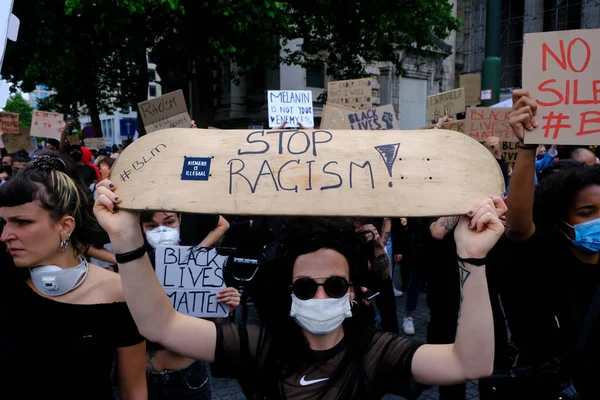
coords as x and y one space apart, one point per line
17 104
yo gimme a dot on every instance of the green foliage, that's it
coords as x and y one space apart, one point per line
17 104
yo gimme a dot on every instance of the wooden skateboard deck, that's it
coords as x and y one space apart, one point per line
306 172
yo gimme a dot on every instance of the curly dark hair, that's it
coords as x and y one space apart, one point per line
52 182
558 187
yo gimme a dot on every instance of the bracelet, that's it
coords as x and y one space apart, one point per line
131 255
478 262
527 146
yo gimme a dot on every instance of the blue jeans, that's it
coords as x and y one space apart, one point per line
388 250
189 383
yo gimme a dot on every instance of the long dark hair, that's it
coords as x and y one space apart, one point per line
290 347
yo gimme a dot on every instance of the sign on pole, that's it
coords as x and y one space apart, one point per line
560 70
166 111
192 278
291 106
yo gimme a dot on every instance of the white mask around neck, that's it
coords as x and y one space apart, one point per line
53 280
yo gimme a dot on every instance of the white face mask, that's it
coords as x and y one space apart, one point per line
320 316
163 236
56 281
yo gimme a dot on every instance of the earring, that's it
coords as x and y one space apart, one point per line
64 244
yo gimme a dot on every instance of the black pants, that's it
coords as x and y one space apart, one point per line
386 304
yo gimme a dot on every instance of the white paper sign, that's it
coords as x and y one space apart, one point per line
192 278
292 106
47 124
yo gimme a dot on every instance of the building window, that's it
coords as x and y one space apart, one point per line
152 75
152 91
315 77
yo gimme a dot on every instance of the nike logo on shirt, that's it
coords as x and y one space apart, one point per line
304 382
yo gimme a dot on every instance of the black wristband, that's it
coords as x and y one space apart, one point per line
527 146
478 262
131 255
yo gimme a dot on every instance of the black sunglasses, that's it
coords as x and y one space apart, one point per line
306 288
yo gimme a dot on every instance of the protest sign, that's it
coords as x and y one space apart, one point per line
378 118
14 142
291 106
47 124
354 93
452 101
560 70
9 122
74 139
484 122
457 126
95 143
471 83
192 278
306 172
166 111
509 153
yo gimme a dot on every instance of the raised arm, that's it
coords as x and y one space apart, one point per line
442 226
471 356
216 234
150 307
519 218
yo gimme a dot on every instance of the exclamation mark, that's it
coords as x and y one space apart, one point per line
388 153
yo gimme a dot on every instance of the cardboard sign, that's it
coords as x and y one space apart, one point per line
354 93
483 122
74 139
509 153
9 122
166 111
378 118
306 172
560 70
452 101
47 124
471 83
457 126
14 142
293 106
192 278
94 143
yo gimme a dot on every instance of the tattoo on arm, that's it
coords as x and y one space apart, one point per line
149 366
448 222
464 275
382 262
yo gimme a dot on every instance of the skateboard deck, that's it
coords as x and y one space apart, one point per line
306 172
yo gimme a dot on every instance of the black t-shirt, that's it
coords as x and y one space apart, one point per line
546 292
63 350
195 227
87 174
242 351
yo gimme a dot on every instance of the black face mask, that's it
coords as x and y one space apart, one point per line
540 156
76 156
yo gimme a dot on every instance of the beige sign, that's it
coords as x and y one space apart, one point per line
484 122
94 143
166 111
354 93
509 153
378 118
14 142
560 70
9 122
452 101
74 139
47 124
472 85
457 126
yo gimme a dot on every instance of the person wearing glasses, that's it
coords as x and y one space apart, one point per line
316 349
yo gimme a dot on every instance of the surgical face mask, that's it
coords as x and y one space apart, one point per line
53 280
321 316
163 236
587 236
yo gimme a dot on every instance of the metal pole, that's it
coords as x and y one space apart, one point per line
490 77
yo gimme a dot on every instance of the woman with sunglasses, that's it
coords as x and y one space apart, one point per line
314 352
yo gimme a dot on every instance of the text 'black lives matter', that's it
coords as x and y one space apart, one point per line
195 168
